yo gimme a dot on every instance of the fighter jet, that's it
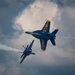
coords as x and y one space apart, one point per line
27 51
44 35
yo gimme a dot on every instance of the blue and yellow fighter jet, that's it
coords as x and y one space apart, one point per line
44 35
27 51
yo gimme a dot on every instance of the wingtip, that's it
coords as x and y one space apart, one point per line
33 39
20 62
57 29
54 45
48 20
43 50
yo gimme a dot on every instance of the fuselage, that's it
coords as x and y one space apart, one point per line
27 52
39 35
43 35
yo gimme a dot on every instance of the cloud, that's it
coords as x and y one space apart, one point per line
65 3
9 9
27 21
2 69
7 64
29 18
34 17
37 12
6 48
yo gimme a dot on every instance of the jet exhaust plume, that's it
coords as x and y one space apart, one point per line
7 48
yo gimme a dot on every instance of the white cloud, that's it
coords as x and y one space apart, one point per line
7 48
33 18
36 14
2 69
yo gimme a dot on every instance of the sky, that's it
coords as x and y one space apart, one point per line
18 16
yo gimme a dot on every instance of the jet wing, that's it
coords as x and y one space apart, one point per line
23 59
53 41
46 27
31 44
43 44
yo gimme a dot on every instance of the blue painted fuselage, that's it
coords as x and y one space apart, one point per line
44 35
39 35
27 51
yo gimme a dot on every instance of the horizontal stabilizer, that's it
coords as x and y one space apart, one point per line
33 53
53 42
23 46
20 52
55 31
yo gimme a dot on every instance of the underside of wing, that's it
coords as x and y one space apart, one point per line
43 44
46 27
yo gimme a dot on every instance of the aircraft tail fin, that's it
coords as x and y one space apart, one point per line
55 31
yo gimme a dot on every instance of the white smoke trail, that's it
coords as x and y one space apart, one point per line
7 48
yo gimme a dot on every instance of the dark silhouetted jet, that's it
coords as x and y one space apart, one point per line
44 35
27 51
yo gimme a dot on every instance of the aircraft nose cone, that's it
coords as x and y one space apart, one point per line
28 32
